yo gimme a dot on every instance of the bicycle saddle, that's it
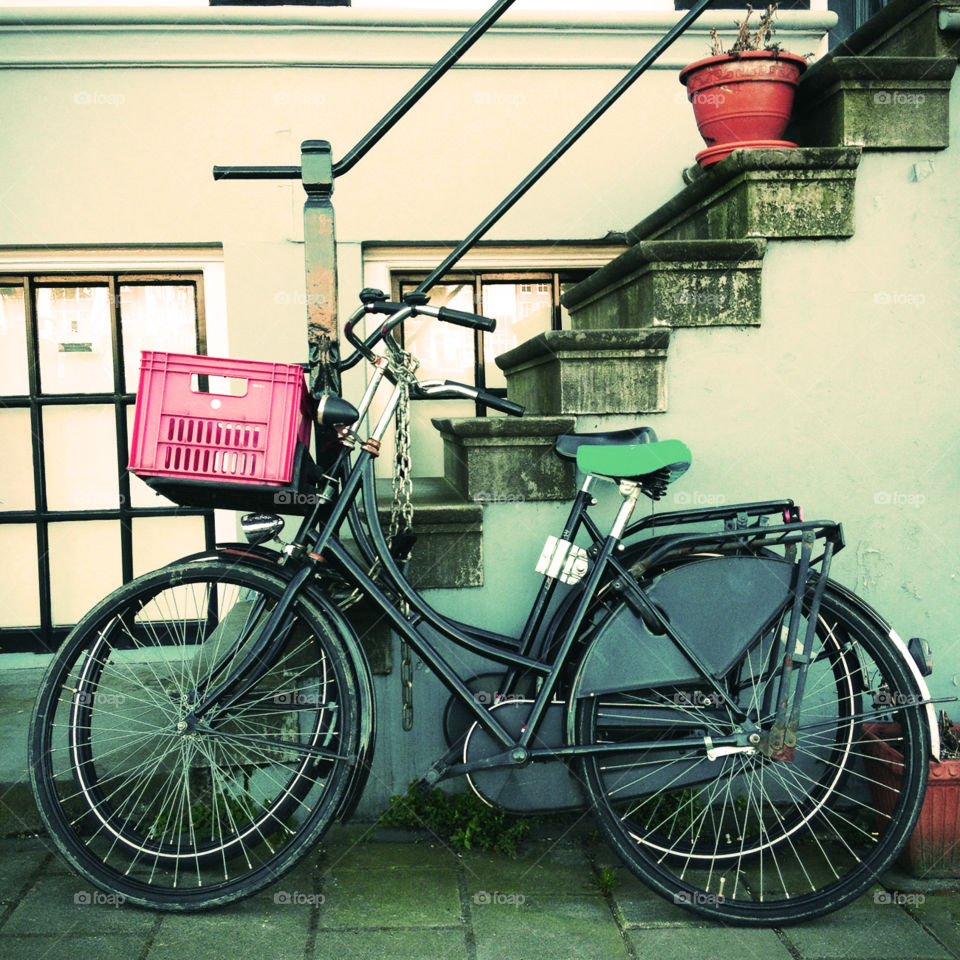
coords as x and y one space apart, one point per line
568 444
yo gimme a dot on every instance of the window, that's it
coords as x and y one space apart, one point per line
522 304
73 523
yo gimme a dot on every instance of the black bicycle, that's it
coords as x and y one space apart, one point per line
751 737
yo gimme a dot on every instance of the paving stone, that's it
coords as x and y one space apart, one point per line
19 860
941 914
390 897
543 925
543 868
715 943
244 929
376 855
61 904
640 908
69 947
876 927
408 944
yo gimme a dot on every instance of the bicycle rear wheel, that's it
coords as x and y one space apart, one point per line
179 813
744 837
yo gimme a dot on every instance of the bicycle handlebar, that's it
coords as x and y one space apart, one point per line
397 313
451 390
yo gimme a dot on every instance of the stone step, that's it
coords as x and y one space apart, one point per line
577 372
799 193
674 283
878 103
506 459
907 28
448 551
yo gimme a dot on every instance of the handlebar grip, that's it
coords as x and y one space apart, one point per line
463 319
500 403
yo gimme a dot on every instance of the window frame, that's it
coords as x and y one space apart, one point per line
46 636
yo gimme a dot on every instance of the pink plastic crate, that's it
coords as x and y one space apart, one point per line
181 431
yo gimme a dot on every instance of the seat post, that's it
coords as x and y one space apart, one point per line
630 491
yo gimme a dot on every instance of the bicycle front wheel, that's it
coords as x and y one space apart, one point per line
754 838
182 812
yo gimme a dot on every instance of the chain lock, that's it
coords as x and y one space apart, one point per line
401 517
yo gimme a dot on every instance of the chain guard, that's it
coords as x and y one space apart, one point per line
544 786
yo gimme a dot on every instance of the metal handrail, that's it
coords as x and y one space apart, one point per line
428 80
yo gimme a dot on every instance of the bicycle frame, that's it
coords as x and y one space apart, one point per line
541 651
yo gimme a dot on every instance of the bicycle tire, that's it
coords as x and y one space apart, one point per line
173 815
748 863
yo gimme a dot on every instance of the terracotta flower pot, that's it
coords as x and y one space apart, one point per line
934 847
742 100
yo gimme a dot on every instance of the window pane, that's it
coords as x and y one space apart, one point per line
80 445
84 566
160 540
445 351
13 342
522 310
76 352
140 494
19 585
156 317
16 480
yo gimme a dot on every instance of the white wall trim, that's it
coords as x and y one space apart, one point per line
225 37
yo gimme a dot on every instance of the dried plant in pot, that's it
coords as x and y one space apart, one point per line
743 97
934 847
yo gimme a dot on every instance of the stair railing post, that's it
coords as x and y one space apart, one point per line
320 260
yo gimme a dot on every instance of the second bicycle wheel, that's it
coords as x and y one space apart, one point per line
177 811
744 836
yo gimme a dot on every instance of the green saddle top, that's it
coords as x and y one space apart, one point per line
632 461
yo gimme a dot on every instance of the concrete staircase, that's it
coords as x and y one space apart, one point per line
697 261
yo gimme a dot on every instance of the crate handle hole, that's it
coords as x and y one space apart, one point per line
220 386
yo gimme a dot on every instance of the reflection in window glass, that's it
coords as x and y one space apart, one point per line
522 310
84 566
445 351
160 540
80 445
13 342
19 585
16 479
73 329
156 317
